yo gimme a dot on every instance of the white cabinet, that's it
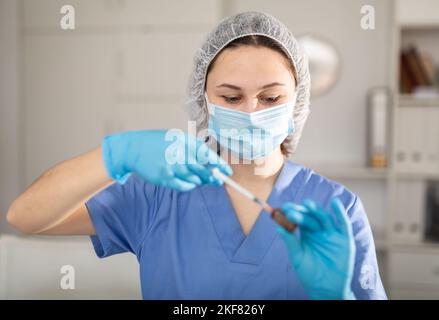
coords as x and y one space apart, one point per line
417 13
414 274
417 144
408 218
431 143
30 268
409 134
67 90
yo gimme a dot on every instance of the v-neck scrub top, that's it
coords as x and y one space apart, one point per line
190 245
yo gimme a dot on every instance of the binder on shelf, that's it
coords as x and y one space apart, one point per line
432 140
409 218
417 140
432 212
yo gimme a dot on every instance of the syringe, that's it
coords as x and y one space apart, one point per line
277 214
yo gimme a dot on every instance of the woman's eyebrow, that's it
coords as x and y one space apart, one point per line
231 86
273 84
227 85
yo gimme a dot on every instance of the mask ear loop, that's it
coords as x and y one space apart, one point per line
294 101
209 140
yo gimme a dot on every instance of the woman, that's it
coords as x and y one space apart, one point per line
194 237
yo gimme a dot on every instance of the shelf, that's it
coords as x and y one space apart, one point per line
349 172
425 246
410 100
419 26
417 14
417 175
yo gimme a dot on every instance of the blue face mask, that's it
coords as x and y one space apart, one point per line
251 135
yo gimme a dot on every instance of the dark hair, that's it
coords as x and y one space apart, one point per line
256 41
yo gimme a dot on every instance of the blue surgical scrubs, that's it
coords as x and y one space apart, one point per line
190 245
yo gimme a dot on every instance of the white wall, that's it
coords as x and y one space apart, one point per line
10 177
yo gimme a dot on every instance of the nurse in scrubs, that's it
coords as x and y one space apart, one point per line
152 193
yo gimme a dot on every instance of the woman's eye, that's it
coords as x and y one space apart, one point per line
271 99
232 99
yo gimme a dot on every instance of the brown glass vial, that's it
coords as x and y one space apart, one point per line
279 216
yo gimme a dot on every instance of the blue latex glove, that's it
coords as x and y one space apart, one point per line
323 255
168 158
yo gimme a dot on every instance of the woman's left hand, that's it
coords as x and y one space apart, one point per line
323 255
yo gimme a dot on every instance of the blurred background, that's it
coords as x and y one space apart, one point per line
374 124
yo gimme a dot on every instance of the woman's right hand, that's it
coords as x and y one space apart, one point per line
169 158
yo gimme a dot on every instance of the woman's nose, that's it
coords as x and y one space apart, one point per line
249 106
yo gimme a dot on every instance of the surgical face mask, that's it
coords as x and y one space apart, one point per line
251 135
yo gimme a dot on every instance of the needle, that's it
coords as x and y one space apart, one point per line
217 173
277 214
